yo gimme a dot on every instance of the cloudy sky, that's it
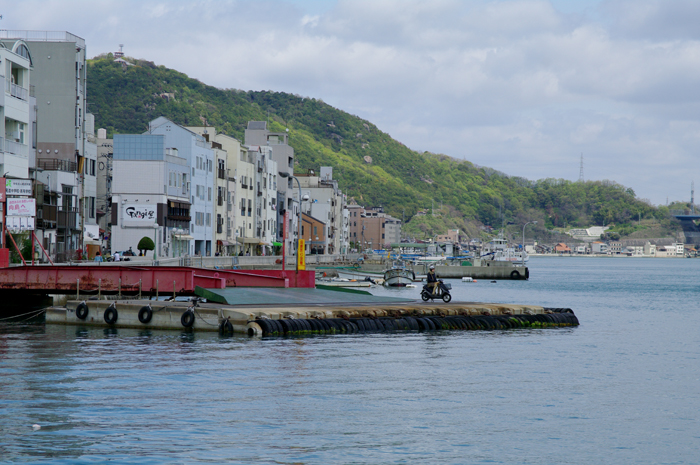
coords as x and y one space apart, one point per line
523 86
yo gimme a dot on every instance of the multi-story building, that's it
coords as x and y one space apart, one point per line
150 195
15 115
197 151
15 63
371 228
325 202
257 133
103 185
58 80
315 235
241 172
265 188
88 210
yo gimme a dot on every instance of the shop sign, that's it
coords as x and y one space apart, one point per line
2 190
21 207
20 223
18 187
139 214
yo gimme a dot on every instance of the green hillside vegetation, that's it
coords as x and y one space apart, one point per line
371 167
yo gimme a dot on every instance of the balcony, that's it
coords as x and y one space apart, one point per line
16 91
67 218
55 164
179 218
15 148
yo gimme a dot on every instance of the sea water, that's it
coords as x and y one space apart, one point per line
622 388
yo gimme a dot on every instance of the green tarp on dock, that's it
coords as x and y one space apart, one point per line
291 296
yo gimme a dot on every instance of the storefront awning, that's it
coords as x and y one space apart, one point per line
277 244
248 240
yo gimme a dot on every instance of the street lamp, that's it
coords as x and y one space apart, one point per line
287 175
529 222
155 235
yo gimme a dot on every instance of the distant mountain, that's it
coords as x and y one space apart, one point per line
370 166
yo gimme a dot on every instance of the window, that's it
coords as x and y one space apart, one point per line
209 193
209 220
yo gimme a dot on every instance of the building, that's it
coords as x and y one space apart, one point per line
16 113
150 195
199 156
599 247
15 64
452 236
325 202
371 228
562 248
313 231
241 172
257 133
103 185
58 82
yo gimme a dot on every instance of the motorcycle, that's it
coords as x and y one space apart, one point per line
442 292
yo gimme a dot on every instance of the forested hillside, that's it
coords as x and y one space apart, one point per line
370 166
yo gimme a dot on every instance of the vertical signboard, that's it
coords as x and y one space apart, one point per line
2 190
301 255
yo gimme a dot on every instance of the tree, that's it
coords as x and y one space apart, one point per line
145 244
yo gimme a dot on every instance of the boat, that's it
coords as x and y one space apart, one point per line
399 275
499 251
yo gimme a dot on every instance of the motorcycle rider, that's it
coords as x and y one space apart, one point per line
432 280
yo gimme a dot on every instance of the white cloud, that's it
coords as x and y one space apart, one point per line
518 85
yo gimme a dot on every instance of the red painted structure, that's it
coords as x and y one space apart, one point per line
148 280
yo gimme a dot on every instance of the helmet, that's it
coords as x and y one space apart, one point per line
432 267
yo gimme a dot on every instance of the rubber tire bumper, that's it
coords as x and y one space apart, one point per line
145 314
187 319
81 311
111 315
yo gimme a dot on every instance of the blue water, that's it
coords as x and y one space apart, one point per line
623 388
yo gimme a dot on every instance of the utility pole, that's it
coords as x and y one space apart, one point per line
580 174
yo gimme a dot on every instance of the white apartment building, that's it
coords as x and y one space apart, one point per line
240 222
265 188
257 133
15 63
196 150
150 195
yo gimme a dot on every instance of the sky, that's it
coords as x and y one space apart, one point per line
523 86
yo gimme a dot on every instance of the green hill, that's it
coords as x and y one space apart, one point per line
370 166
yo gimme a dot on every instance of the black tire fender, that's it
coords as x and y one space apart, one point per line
81 311
515 274
111 315
226 327
187 319
145 314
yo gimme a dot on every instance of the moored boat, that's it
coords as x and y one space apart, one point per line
399 275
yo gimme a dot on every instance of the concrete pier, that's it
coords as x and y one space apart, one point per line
295 319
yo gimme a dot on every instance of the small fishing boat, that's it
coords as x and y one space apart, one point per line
399 275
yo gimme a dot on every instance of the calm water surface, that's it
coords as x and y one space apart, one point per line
624 387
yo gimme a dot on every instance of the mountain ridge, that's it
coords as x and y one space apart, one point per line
371 167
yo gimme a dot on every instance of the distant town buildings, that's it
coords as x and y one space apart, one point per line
193 190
